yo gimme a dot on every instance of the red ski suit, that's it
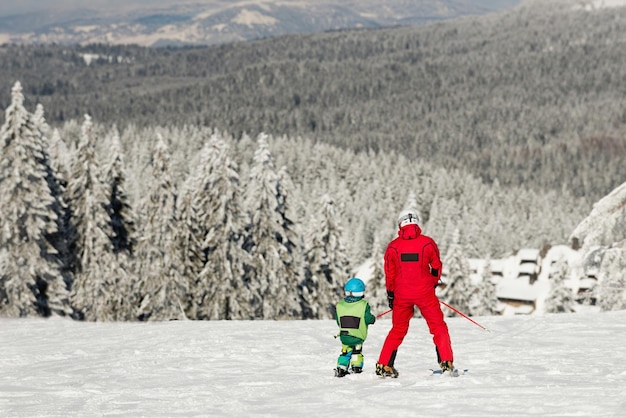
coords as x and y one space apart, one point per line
412 270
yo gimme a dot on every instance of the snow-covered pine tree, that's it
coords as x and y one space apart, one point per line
123 218
94 294
293 242
443 222
560 299
124 229
59 163
376 292
483 300
189 238
611 293
57 181
326 263
458 284
31 276
221 291
275 268
161 289
59 157
195 208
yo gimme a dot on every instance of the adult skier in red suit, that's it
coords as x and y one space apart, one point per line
412 271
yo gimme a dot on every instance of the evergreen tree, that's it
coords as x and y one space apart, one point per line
119 208
458 284
326 263
611 294
56 182
59 158
275 266
31 276
94 292
443 222
376 293
561 298
124 233
161 290
483 300
292 240
189 239
59 165
221 291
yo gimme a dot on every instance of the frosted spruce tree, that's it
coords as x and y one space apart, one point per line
275 273
124 232
56 176
458 284
161 290
95 293
31 269
376 291
59 158
289 208
221 291
611 293
560 299
483 300
444 218
123 218
189 238
327 267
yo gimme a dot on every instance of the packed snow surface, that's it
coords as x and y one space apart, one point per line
549 365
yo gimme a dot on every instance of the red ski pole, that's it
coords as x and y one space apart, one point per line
463 315
384 313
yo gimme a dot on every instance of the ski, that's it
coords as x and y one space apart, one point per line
454 373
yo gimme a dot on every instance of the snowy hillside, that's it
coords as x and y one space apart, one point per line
552 365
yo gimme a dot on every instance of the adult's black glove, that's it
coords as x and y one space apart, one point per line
390 299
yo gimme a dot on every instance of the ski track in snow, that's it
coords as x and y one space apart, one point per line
551 365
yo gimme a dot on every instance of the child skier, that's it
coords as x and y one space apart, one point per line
353 318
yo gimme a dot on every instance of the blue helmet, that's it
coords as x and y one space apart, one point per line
355 287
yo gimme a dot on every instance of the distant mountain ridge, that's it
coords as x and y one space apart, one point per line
213 22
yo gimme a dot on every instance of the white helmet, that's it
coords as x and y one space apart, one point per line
407 217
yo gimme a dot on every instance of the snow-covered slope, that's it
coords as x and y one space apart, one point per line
552 365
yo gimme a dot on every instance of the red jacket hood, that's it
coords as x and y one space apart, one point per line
410 231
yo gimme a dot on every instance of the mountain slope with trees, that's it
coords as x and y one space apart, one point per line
306 218
533 96
291 157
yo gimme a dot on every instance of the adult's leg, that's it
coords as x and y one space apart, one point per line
431 311
400 317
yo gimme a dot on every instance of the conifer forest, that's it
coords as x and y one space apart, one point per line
251 180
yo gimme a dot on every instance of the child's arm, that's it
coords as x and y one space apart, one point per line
369 317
